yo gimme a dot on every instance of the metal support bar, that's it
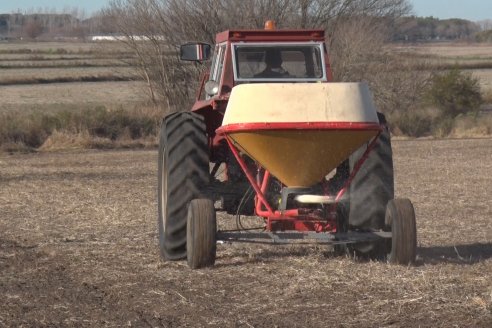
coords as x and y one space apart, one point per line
264 208
310 237
259 192
356 169
250 178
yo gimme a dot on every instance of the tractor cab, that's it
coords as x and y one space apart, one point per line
260 56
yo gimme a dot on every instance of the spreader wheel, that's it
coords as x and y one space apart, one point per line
201 233
400 215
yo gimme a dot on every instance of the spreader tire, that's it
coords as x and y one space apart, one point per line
183 172
201 233
400 215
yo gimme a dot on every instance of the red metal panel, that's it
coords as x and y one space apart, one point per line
239 127
271 35
227 82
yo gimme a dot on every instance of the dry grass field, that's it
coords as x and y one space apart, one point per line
455 50
78 247
32 75
77 95
88 75
39 62
485 76
477 56
60 47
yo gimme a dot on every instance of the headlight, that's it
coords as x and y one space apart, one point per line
211 88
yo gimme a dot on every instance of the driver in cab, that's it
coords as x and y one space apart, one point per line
274 69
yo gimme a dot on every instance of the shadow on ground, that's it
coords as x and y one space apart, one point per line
459 254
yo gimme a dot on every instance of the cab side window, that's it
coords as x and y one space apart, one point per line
217 64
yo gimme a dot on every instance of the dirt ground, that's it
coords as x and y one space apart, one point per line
78 247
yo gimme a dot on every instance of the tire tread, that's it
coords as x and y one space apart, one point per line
183 138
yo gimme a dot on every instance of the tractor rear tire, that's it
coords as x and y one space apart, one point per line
400 216
373 186
370 191
183 172
201 233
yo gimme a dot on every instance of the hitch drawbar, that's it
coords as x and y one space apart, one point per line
293 237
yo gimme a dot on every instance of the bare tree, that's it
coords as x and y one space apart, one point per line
145 28
485 25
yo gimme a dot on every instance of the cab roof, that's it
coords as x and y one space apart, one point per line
271 35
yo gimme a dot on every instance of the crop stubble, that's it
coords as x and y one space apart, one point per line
78 248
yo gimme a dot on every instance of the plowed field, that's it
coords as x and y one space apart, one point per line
78 247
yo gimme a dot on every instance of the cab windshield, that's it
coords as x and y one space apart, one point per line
278 62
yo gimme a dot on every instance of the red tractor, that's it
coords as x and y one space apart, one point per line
314 153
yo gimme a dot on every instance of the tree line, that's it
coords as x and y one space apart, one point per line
74 23
418 29
46 25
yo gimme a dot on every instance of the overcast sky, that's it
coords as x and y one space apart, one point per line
468 9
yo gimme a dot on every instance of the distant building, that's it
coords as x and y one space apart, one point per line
125 38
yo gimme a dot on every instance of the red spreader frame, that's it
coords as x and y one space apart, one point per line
296 219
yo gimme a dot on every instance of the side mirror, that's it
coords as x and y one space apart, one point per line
195 51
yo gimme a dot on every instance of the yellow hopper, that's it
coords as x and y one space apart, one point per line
300 132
